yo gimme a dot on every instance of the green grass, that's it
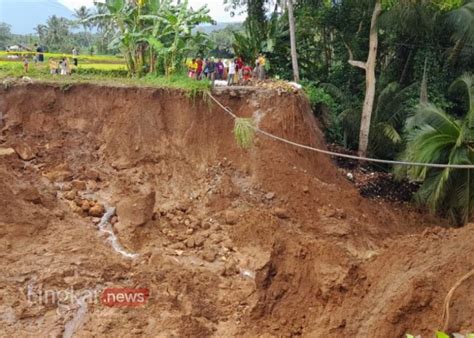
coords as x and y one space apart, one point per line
105 74
103 66
244 132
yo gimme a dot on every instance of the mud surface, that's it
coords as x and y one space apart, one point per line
272 241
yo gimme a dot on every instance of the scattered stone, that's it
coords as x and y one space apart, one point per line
206 225
95 220
78 201
306 189
216 238
7 151
79 185
76 209
190 231
70 195
60 214
98 210
228 245
270 196
85 205
216 227
31 194
178 246
136 210
199 241
92 174
26 79
209 255
190 243
230 269
59 175
25 152
281 213
231 217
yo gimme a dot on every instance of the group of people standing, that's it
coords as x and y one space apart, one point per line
206 69
62 67
236 71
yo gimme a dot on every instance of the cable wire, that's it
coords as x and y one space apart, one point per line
331 153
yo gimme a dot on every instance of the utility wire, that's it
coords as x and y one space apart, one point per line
331 153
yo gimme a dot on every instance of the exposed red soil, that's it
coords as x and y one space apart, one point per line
204 216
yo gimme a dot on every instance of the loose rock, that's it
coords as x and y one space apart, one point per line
98 210
281 213
231 217
7 151
270 196
25 152
209 255
70 195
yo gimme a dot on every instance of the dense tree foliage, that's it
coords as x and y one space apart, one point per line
5 35
410 52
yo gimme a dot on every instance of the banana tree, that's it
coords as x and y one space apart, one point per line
172 30
120 17
151 31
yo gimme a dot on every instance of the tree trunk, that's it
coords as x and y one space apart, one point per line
294 54
424 84
456 52
370 80
403 77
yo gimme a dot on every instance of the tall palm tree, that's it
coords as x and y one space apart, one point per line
437 137
55 33
81 14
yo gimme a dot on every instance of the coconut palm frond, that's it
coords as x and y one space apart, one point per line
335 92
464 85
436 137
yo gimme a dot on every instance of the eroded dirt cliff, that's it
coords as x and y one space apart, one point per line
271 241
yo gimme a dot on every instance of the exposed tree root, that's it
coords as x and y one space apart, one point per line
450 294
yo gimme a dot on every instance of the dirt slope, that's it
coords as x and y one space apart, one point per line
272 241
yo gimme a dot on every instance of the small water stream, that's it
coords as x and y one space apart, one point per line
106 228
78 319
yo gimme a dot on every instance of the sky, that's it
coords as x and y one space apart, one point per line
217 8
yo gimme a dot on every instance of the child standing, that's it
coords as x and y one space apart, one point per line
63 66
26 64
53 67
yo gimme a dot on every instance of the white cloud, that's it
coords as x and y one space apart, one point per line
217 8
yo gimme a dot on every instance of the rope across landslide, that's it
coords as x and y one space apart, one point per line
331 153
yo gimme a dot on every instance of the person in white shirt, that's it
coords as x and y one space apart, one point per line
231 75
75 54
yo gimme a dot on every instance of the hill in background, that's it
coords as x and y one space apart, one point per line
25 15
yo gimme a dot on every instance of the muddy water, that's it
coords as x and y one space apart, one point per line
106 228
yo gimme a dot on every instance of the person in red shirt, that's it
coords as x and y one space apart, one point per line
199 70
247 73
239 67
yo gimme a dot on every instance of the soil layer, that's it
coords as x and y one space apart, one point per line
270 241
